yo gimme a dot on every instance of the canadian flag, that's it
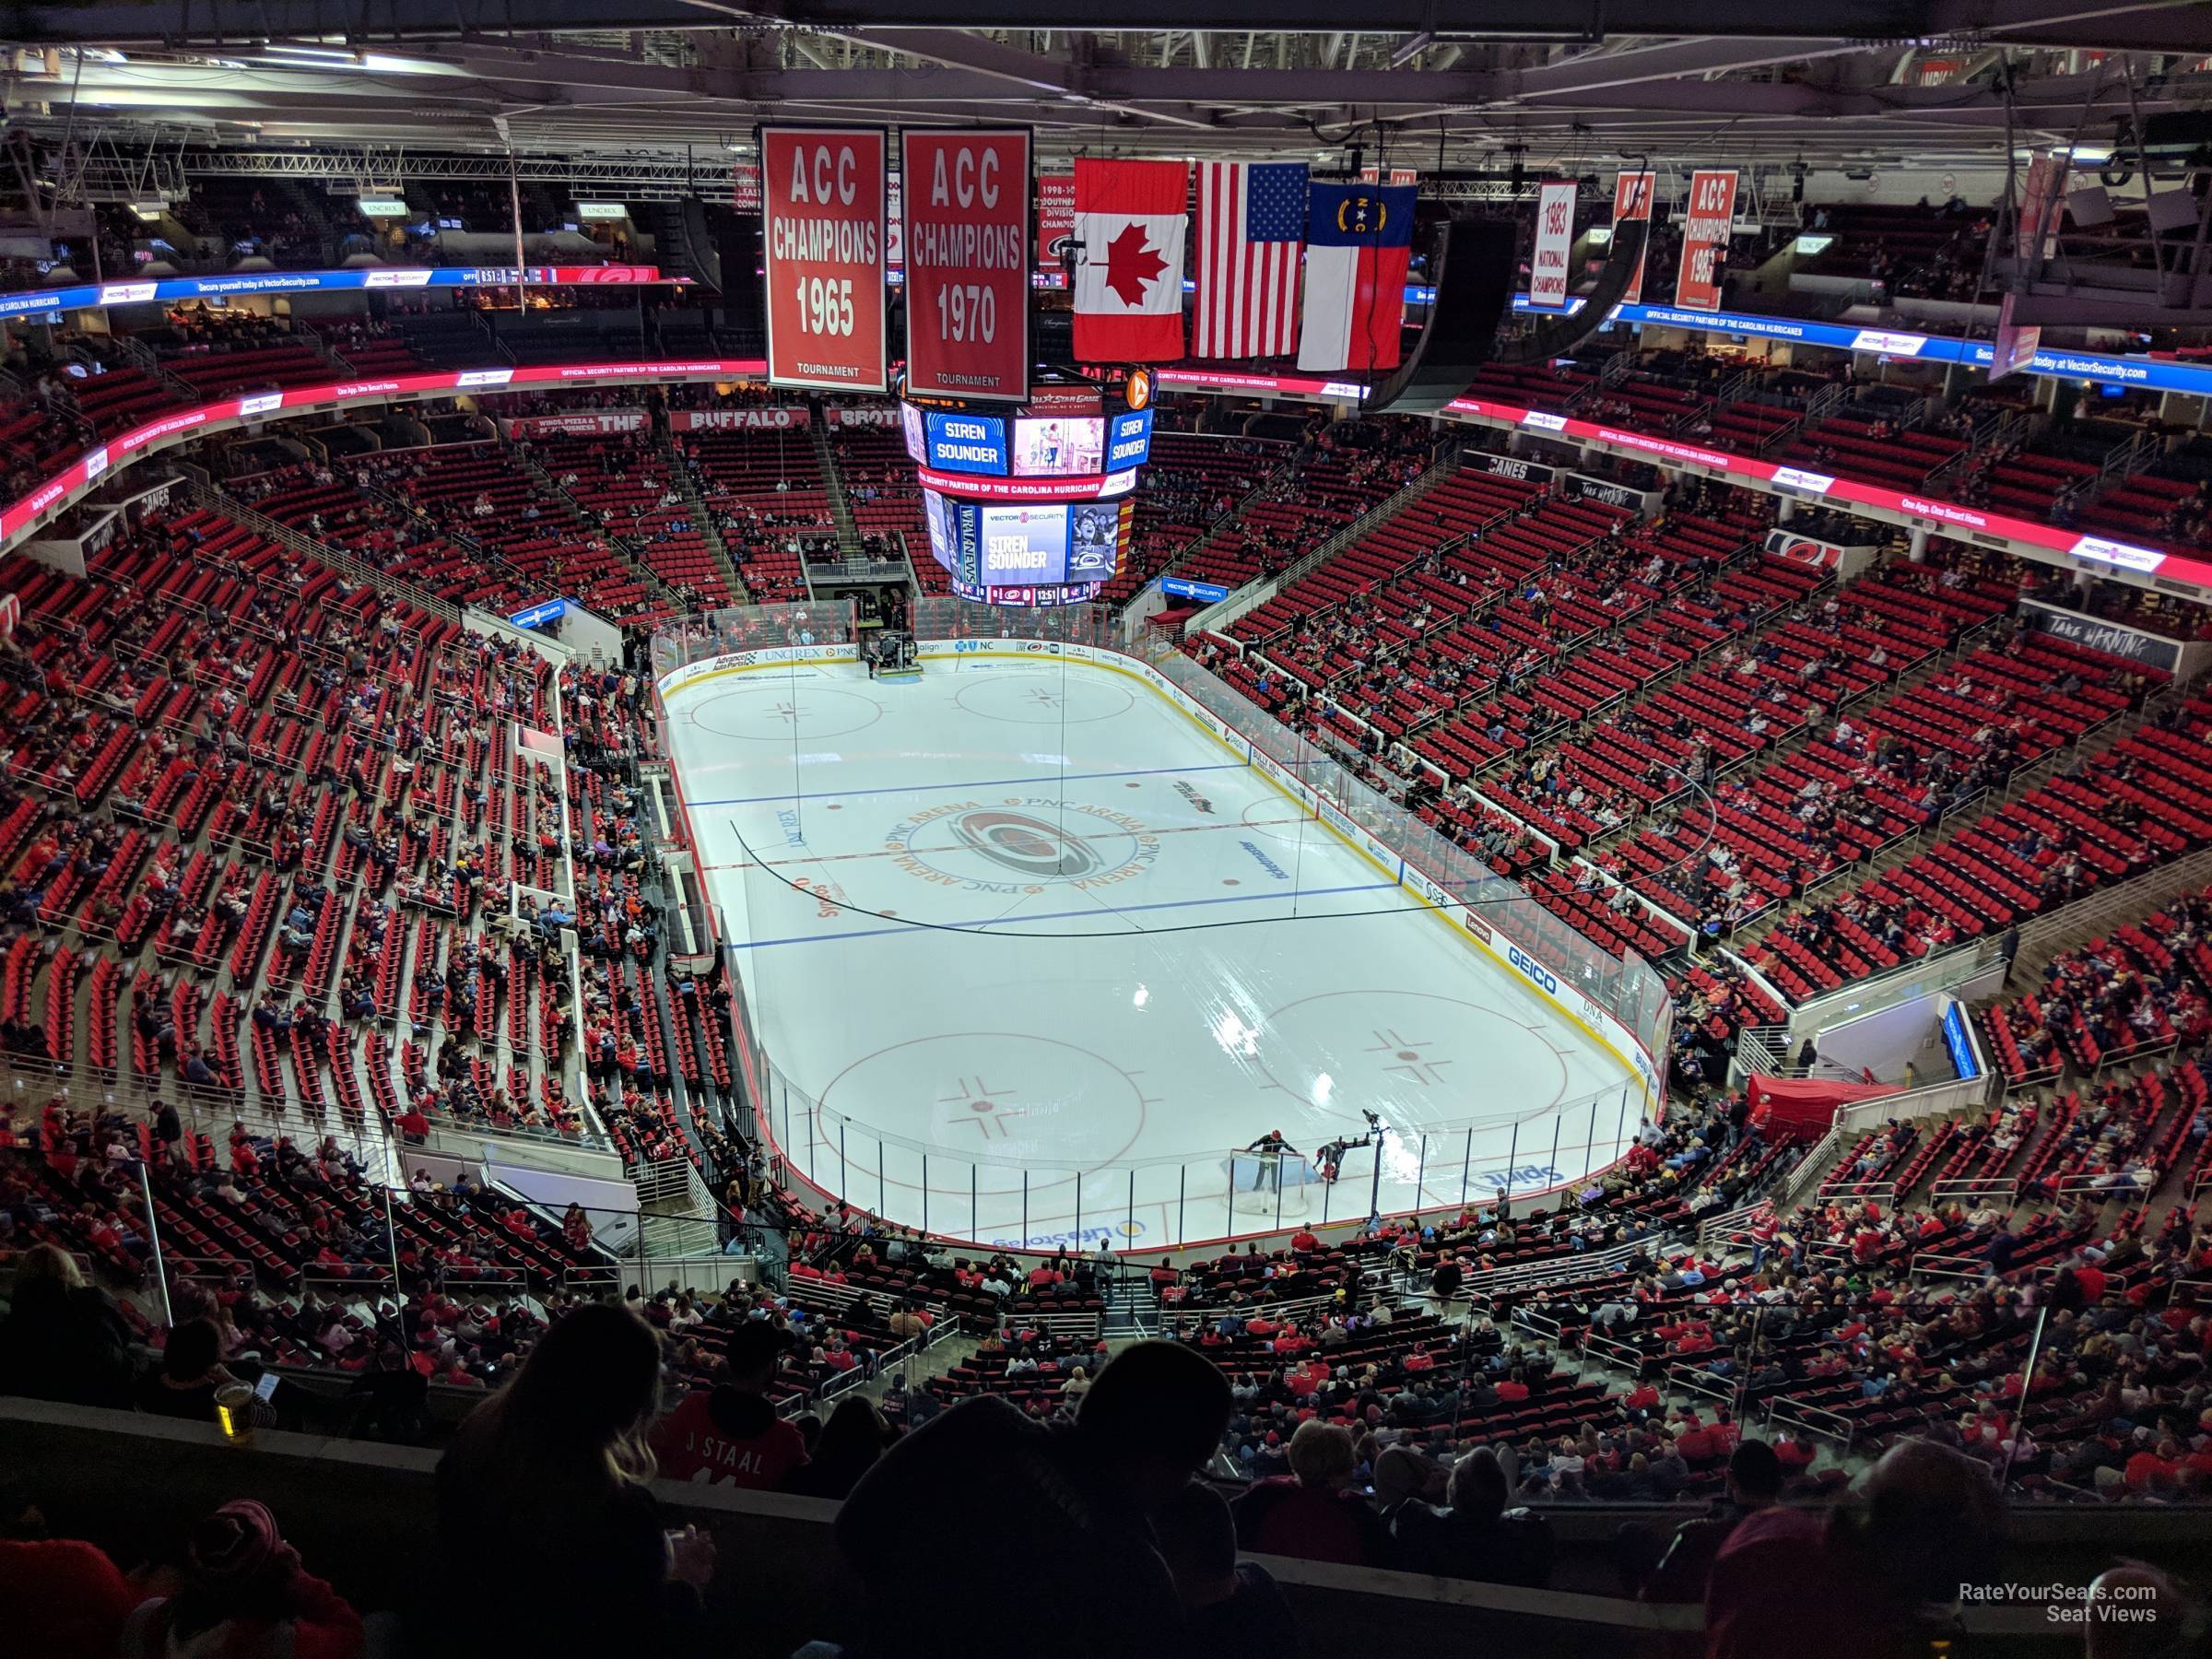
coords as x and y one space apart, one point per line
1130 221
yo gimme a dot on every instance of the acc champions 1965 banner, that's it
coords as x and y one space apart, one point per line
823 202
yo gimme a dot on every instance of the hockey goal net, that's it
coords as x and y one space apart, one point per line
1269 1184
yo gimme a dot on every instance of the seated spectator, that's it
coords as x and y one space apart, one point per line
63 1339
243 1593
543 1491
1062 1516
853 1439
1231 1609
190 1373
731 1434
60 1599
1314 1513
391 1395
1855 1582
1403 1476
1754 1484
1475 1537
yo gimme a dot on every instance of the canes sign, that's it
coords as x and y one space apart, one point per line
822 242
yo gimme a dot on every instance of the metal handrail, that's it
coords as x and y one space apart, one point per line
1236 508
215 498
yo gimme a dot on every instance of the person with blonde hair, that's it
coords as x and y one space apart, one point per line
63 1339
544 1491
1315 1512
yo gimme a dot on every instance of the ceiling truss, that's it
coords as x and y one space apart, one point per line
654 85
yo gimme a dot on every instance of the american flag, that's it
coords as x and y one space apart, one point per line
1252 225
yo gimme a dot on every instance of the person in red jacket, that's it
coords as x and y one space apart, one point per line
1695 1443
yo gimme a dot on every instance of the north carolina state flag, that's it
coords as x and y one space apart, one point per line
1130 220
1359 248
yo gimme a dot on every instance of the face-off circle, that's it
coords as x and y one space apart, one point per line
1043 699
1437 1055
778 714
999 1097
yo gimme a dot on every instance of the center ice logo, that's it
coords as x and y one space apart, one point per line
1029 847
1022 836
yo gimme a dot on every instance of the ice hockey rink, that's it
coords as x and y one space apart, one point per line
1031 953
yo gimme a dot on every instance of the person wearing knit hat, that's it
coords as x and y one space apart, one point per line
244 1598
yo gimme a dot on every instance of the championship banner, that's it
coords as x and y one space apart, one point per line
742 420
1055 216
894 226
582 423
1632 204
1705 228
967 240
2016 345
2042 198
1555 239
745 186
824 209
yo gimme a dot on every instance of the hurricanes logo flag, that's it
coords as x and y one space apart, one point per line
1130 220
1358 243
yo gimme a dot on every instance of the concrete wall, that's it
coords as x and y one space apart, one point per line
364 1516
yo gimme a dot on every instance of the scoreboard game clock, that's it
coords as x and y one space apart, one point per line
1032 505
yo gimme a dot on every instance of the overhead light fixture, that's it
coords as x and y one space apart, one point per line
320 55
382 63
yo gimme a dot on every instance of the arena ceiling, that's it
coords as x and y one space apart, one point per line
1575 85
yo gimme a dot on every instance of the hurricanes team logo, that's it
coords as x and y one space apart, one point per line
1029 847
1023 841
